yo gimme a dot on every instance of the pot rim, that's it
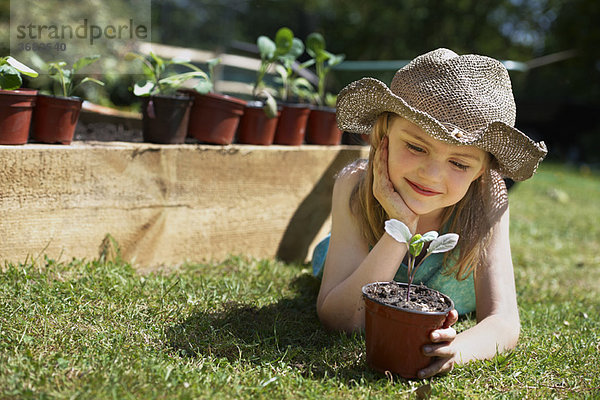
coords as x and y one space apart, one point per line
61 98
323 108
218 96
446 311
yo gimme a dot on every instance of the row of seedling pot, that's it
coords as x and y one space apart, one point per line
290 112
299 115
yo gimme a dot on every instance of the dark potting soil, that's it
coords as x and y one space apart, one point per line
421 297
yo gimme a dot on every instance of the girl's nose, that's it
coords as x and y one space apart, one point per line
431 170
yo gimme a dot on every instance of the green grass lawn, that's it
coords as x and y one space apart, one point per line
247 328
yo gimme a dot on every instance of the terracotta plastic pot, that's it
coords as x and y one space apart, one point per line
322 127
16 110
214 118
165 118
395 337
291 127
55 118
256 127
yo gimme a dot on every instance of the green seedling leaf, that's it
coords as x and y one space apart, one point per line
427 237
284 39
88 79
315 43
266 47
22 68
443 243
336 59
416 245
398 230
270 107
282 71
297 48
83 61
143 88
204 87
10 78
213 62
180 60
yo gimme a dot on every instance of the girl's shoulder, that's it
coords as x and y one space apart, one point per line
347 180
353 171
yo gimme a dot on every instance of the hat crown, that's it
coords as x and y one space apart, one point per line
468 92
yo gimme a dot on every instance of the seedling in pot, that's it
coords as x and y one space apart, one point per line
11 71
271 51
292 84
415 243
324 60
65 77
160 80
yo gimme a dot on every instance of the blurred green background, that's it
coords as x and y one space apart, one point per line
558 97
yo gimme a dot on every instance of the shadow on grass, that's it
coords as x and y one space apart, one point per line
287 331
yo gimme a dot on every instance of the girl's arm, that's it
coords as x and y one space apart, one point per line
349 264
498 324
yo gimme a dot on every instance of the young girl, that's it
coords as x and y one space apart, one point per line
441 139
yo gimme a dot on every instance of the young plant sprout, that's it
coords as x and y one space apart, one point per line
65 76
415 243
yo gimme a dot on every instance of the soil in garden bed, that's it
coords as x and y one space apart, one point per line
421 297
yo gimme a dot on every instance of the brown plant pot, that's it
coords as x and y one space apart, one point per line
16 110
165 119
256 127
55 118
322 127
291 127
395 336
214 118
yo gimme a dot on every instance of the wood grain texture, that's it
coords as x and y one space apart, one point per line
166 204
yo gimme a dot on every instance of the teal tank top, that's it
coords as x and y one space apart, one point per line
430 274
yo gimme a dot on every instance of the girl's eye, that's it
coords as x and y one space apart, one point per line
415 148
459 165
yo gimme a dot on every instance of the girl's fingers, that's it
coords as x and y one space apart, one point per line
443 335
451 319
441 366
443 350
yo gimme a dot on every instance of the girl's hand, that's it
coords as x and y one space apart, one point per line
441 350
384 191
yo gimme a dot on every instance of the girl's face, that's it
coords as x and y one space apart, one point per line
429 174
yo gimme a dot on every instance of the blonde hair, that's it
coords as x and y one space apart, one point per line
468 217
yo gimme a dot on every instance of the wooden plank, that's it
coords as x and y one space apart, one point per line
166 204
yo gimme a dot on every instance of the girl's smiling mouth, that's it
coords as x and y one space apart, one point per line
422 190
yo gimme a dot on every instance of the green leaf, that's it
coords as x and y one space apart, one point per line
266 47
284 40
270 106
297 48
416 246
143 88
204 87
88 79
335 59
214 62
282 72
443 243
22 68
427 237
83 61
315 43
398 230
10 78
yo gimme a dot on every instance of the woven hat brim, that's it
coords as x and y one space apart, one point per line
361 102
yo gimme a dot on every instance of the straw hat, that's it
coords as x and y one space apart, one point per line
462 100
